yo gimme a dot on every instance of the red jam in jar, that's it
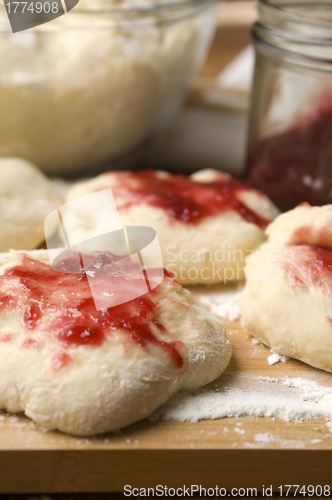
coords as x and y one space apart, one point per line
296 165
290 131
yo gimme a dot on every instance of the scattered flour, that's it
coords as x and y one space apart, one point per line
236 395
264 438
225 301
276 357
222 300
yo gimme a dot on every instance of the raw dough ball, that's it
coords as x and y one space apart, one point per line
205 229
287 299
83 371
26 199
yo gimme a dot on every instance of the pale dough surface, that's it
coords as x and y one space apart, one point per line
108 386
287 299
26 199
212 251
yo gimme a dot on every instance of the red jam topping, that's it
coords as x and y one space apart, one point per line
319 235
296 165
35 287
186 199
5 337
308 265
60 360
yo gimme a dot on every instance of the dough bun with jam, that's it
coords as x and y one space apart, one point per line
207 224
82 371
287 299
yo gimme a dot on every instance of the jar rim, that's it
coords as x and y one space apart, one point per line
149 9
282 12
304 40
303 60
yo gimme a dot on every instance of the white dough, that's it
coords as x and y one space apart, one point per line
106 386
287 299
211 251
26 199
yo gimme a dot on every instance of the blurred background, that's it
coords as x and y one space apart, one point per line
99 88
169 84
211 131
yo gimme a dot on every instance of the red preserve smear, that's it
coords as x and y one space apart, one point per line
296 165
185 199
307 265
60 360
302 235
311 235
5 337
28 342
35 287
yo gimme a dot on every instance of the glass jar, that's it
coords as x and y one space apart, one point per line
91 88
290 135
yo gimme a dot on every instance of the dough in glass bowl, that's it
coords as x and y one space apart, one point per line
92 87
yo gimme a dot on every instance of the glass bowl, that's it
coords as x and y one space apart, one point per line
92 87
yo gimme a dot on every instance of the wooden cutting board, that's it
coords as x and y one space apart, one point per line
173 453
